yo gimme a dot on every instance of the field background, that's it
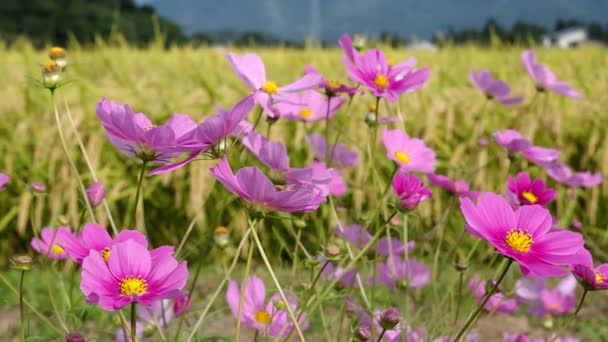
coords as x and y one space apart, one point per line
448 113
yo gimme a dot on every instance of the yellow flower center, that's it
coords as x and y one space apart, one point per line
57 52
305 112
599 278
381 81
270 87
262 317
532 198
133 286
105 254
333 84
402 157
519 241
50 67
56 249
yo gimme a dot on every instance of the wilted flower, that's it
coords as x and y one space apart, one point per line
221 236
132 275
458 187
363 333
496 303
51 242
96 194
308 106
251 185
251 70
4 179
410 154
410 190
51 74
22 262
545 79
522 190
523 235
59 56
257 314
373 71
492 88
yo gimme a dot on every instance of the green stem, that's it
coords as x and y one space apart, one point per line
140 183
580 303
572 317
381 335
458 296
244 285
21 311
134 322
473 316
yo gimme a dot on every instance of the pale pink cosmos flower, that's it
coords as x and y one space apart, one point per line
410 154
498 302
4 179
308 106
251 70
514 142
396 271
341 155
95 193
545 79
375 72
544 300
51 242
563 174
492 88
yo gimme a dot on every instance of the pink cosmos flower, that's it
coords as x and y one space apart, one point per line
395 271
515 337
470 336
51 242
96 238
331 87
337 185
355 234
563 174
376 73
591 277
544 300
182 305
132 275
251 185
150 318
135 135
341 155
308 106
251 70
4 179
393 246
96 194
492 88
522 190
38 187
497 302
514 142
264 317
346 278
400 332
410 154
458 187
523 235
545 79
410 190
209 133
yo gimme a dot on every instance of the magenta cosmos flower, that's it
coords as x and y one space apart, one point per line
355 234
492 88
341 155
497 302
251 185
135 135
330 87
209 133
458 187
96 193
563 174
51 242
396 272
591 277
251 70
308 106
264 317
374 71
545 79
522 190
543 300
523 235
4 179
337 186
410 154
96 238
132 275
514 142
410 190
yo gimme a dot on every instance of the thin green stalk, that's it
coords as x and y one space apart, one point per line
324 324
381 335
244 285
134 322
186 235
140 183
66 150
21 311
276 282
473 316
572 317
458 296
235 259
53 302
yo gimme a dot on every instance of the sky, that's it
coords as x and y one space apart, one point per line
328 19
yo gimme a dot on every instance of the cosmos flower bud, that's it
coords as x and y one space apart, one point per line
390 318
95 194
221 236
370 118
299 223
59 56
359 42
38 187
312 263
332 250
362 333
576 224
182 305
149 330
74 336
22 262
280 304
51 74
460 263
